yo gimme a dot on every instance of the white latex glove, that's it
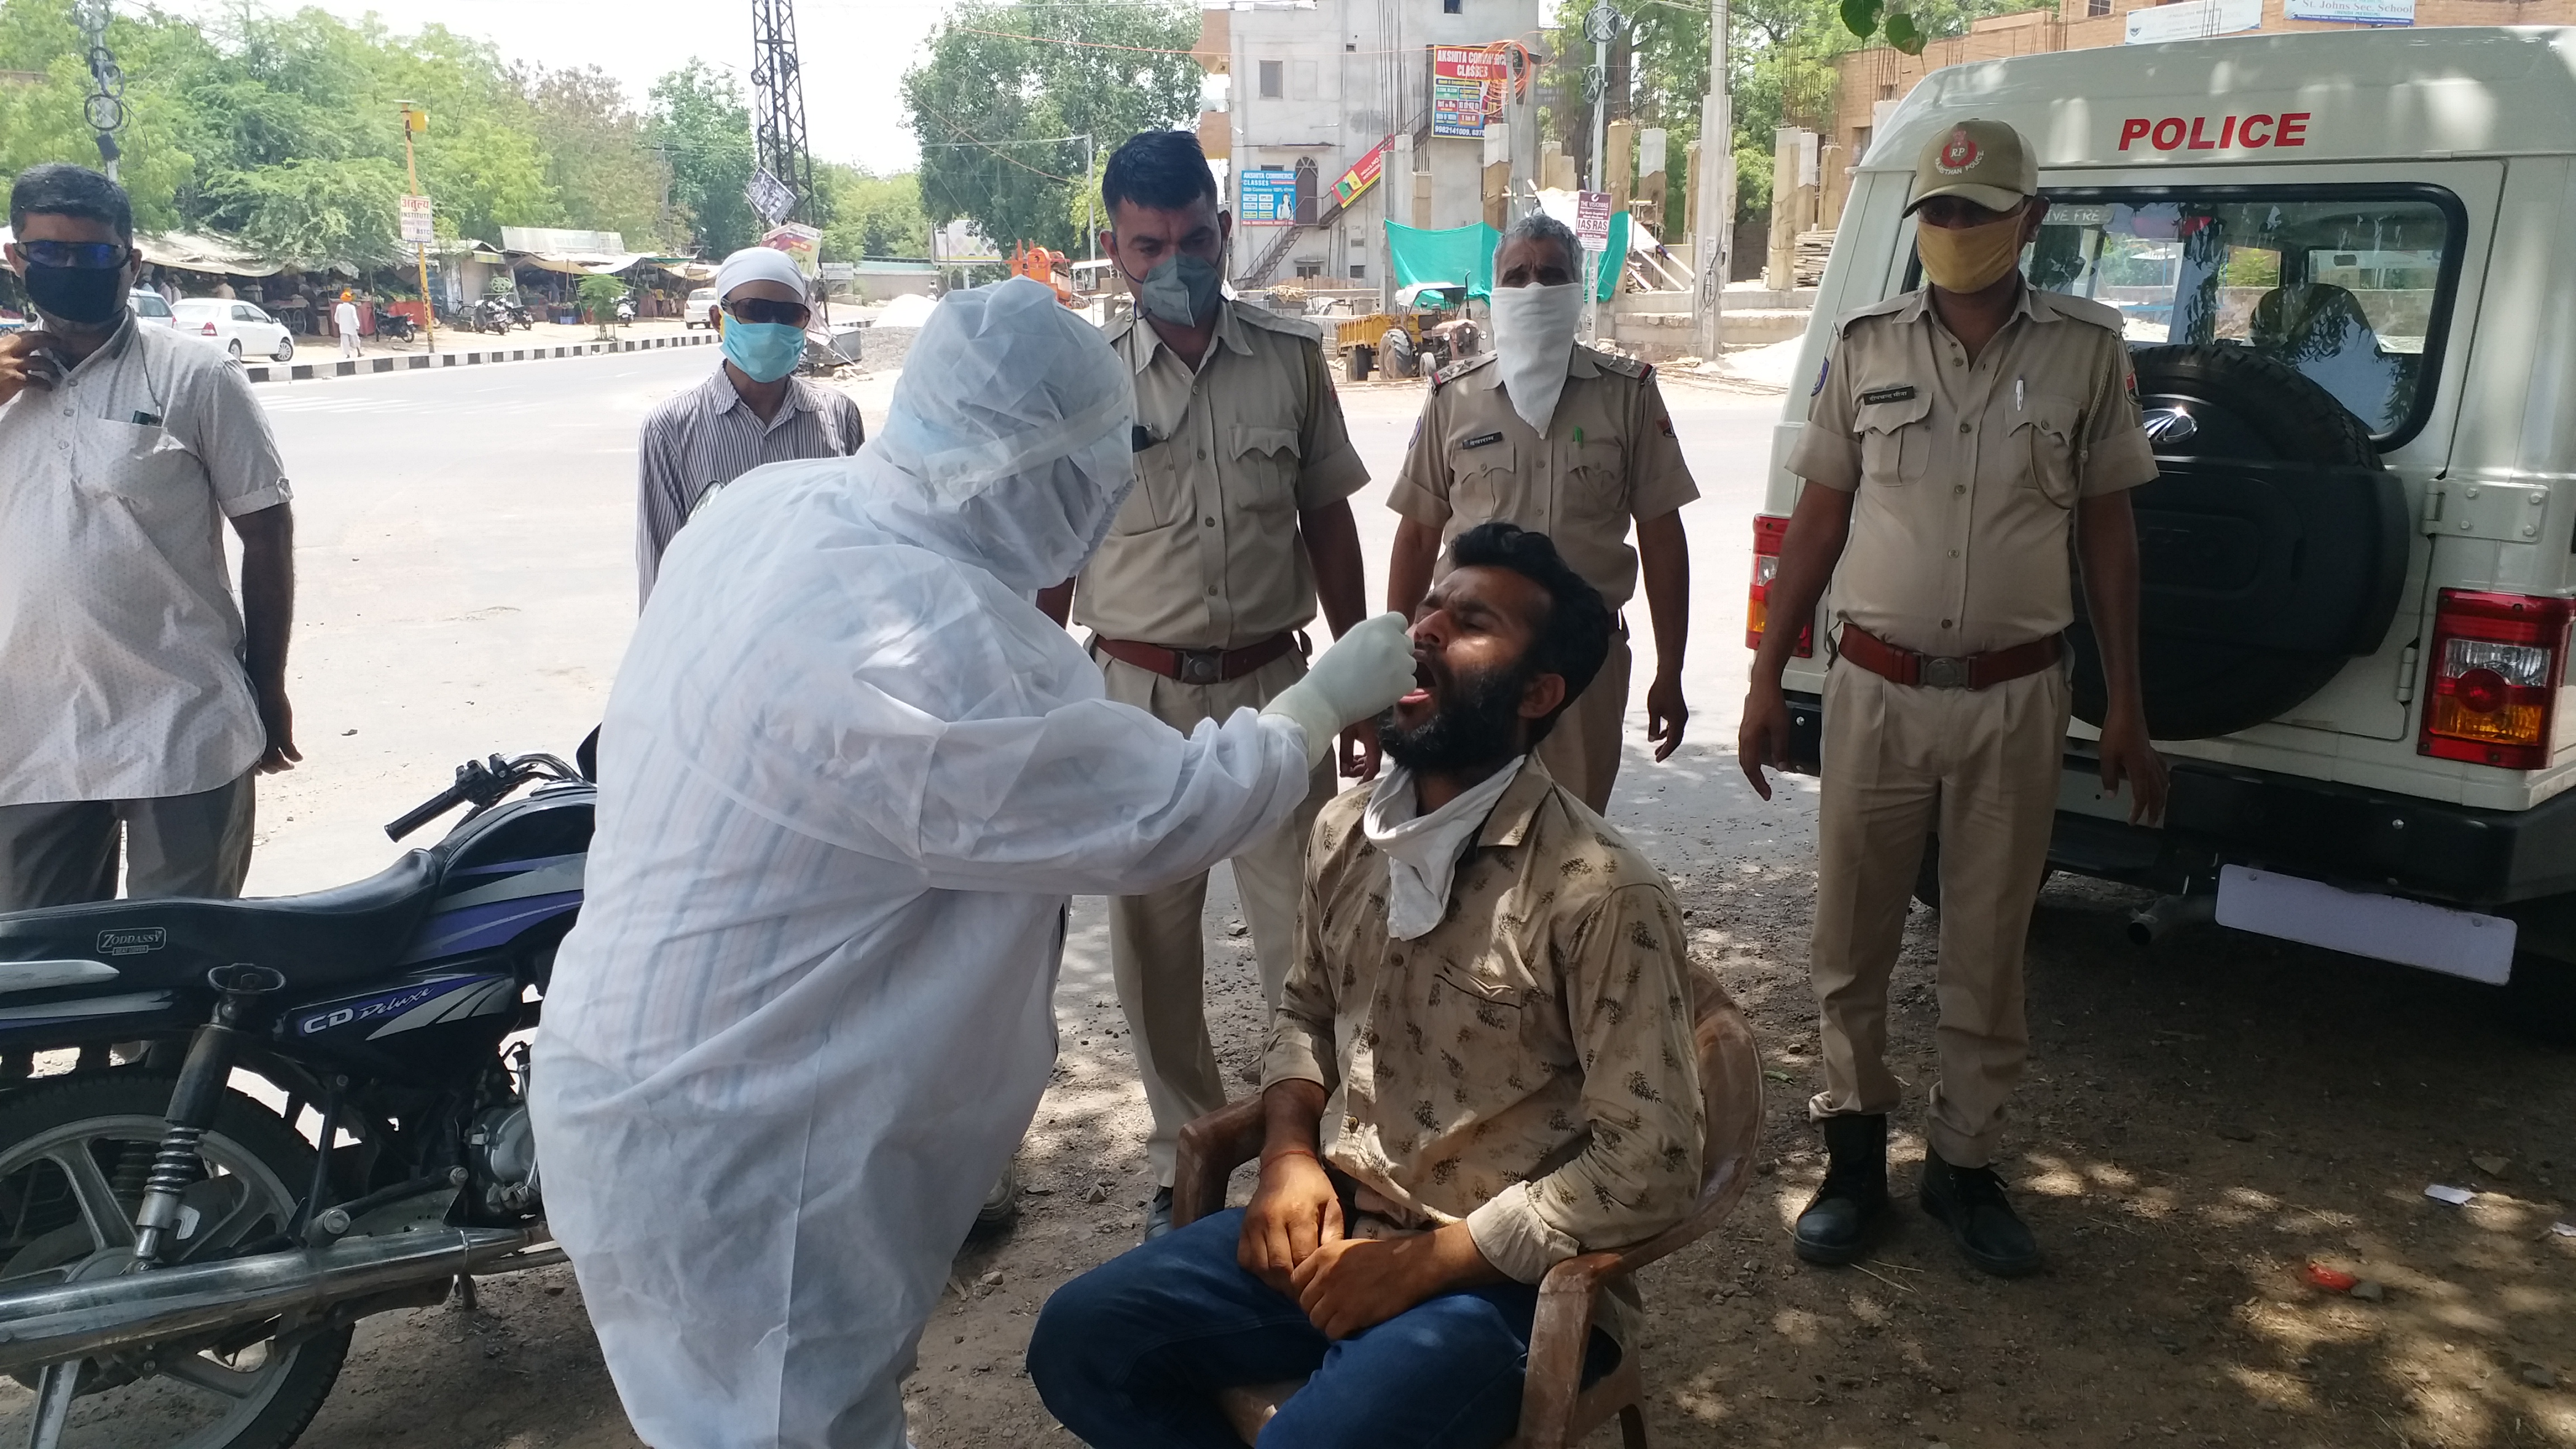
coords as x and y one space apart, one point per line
1365 672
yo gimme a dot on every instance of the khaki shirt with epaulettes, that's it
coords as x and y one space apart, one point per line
1609 457
1968 473
1206 554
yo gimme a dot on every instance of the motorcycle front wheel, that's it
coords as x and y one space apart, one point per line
73 1158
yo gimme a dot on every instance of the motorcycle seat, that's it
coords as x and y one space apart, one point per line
348 931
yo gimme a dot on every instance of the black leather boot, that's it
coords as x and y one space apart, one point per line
1971 1201
1839 1221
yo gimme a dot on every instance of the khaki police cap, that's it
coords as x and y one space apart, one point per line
1983 162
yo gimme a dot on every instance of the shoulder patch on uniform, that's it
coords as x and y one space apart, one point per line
1822 373
1903 392
2082 309
1460 369
1612 362
1269 321
1881 308
1481 440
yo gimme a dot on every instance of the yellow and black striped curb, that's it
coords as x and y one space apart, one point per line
426 361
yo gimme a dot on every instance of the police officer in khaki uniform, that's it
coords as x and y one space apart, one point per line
1957 436
1239 521
1554 437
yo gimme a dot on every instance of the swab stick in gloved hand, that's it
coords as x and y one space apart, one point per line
1365 672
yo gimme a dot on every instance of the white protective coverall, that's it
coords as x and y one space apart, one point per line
850 775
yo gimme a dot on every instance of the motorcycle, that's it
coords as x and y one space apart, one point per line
520 316
179 1265
625 310
395 325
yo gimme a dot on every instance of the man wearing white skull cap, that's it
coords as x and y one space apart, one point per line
752 410
850 776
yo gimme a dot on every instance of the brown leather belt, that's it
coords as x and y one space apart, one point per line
1197 666
1975 671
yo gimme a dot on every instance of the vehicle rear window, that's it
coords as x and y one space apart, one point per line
150 305
2351 286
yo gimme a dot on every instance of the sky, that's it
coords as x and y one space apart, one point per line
854 52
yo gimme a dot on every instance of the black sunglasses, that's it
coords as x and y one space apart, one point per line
85 256
762 309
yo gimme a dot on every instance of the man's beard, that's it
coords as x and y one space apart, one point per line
1475 725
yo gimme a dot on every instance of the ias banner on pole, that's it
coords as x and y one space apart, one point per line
1269 197
416 218
802 243
1592 220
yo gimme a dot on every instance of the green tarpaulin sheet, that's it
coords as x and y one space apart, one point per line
1466 253
1453 254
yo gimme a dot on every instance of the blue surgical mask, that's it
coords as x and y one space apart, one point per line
765 351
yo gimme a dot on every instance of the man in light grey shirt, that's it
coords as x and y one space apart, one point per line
754 410
137 700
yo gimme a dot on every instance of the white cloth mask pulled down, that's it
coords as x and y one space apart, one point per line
1422 850
1534 344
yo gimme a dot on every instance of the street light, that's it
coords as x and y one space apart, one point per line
416 120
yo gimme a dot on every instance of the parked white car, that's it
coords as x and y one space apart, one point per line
237 327
149 306
702 310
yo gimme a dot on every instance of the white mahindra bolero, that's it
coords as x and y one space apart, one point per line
2347 266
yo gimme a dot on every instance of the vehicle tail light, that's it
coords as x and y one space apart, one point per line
2498 660
209 329
1768 531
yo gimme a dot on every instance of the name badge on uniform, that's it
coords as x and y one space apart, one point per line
1481 439
1902 393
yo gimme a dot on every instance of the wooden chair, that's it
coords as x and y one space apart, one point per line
1557 1411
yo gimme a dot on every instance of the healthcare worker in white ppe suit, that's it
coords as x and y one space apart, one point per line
849 776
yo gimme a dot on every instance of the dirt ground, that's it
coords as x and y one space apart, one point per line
2201 1121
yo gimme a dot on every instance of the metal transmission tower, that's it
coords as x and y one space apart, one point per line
778 84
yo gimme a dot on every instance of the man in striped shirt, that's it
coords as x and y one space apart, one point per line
754 410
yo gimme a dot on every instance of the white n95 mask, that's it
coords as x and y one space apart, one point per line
1533 345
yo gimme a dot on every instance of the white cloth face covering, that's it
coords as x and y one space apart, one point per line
1534 344
1422 850
853 776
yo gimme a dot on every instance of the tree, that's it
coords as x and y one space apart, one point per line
1781 58
703 129
1005 83
872 216
595 155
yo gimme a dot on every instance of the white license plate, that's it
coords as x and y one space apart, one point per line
2385 928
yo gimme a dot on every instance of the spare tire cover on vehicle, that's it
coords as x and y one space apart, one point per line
2271 547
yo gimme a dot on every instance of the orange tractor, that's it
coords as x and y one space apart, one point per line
1040 265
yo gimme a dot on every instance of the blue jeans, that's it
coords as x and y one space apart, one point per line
1130 1356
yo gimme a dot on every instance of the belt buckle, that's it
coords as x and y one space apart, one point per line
1944 673
1201 666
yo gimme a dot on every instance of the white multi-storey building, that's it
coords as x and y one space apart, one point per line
1313 87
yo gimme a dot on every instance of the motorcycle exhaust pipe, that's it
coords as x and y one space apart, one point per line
2167 914
79 1320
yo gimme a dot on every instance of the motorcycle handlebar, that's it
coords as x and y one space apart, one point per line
437 805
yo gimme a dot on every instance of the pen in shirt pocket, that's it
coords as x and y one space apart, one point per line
2016 394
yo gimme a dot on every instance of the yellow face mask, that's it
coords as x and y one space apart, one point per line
1971 258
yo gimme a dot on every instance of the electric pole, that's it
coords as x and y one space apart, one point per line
1713 192
778 87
